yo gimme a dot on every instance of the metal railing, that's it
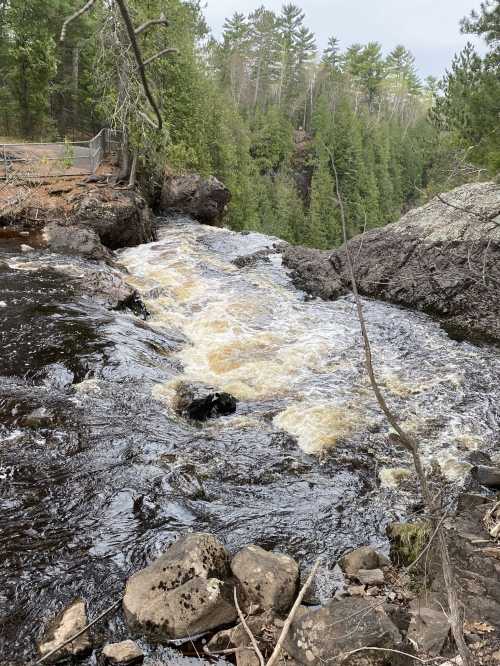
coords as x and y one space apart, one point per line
65 158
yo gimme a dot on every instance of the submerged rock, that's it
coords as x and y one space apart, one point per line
183 592
205 199
126 652
268 581
65 625
319 636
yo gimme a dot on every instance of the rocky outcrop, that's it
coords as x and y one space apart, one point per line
442 258
205 199
268 581
65 625
79 217
342 625
183 593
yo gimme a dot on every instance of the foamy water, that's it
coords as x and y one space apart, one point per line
252 334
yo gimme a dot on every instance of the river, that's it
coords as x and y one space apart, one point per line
98 484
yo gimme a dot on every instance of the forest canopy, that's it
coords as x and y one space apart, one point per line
261 108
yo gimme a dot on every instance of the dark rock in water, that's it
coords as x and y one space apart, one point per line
191 402
135 304
38 418
487 476
428 630
319 636
251 260
442 258
183 592
267 580
205 199
68 623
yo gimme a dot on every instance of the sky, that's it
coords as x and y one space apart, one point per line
429 28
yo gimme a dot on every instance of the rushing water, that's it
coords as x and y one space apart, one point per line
109 475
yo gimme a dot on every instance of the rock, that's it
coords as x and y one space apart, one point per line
312 272
190 402
72 239
428 630
342 625
363 558
266 629
119 218
68 623
182 593
267 580
433 259
251 260
326 584
487 476
126 652
205 199
38 418
26 248
370 576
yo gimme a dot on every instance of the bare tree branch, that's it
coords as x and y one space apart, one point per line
74 16
159 21
286 627
159 54
248 630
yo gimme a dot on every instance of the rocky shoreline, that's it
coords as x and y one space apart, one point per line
442 259
196 591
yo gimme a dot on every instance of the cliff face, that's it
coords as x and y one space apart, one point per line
442 258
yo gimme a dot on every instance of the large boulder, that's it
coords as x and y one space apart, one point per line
442 258
183 592
65 625
343 625
72 239
267 581
205 199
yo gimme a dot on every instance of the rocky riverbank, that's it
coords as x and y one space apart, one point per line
365 600
442 259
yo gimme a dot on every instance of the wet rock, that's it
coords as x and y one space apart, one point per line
363 558
126 652
38 418
72 239
370 576
182 592
205 199
312 272
342 625
428 630
487 476
267 580
68 623
251 260
190 402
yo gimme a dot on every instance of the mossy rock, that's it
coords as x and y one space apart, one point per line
408 540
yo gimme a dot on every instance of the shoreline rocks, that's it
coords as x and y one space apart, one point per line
442 258
65 625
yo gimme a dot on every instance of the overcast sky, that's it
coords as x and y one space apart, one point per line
429 28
